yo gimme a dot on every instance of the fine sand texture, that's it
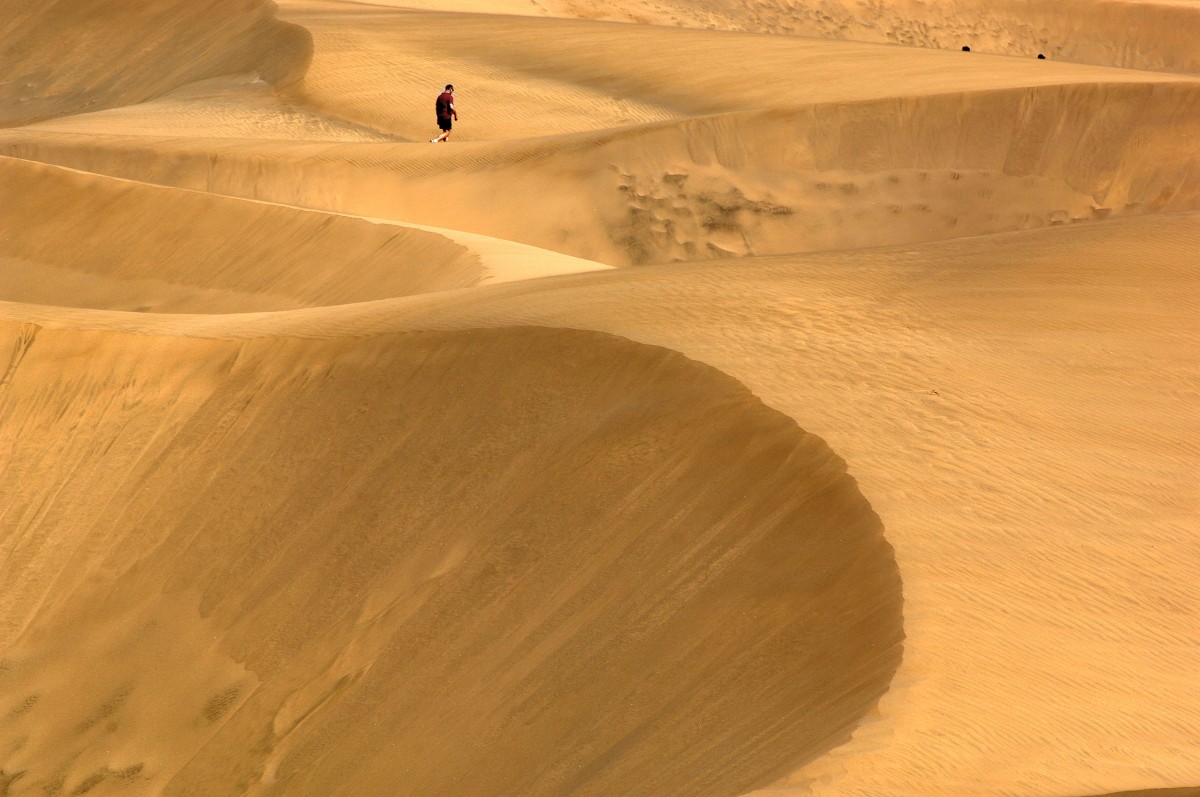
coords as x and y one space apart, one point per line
760 399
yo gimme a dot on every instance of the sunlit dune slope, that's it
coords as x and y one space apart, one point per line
67 56
515 561
83 240
91 241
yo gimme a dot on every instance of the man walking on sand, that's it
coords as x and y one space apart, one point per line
445 113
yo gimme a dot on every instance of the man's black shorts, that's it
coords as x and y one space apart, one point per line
444 124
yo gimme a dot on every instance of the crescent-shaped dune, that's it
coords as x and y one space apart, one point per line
553 623
722 411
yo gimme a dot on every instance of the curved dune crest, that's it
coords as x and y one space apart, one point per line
493 559
85 240
129 52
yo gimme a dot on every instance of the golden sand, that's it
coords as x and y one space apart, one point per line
754 399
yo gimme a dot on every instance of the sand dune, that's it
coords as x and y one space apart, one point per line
736 164
878 477
317 597
127 55
196 252
968 468
1137 35
96 241
1089 335
861 174
1134 34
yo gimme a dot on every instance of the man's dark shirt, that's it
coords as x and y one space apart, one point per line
444 102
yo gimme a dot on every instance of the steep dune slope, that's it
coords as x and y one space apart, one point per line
493 562
92 241
68 56
83 240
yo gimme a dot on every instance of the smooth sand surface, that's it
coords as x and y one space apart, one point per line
721 412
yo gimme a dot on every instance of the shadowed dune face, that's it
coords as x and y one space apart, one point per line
122 53
547 561
82 240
